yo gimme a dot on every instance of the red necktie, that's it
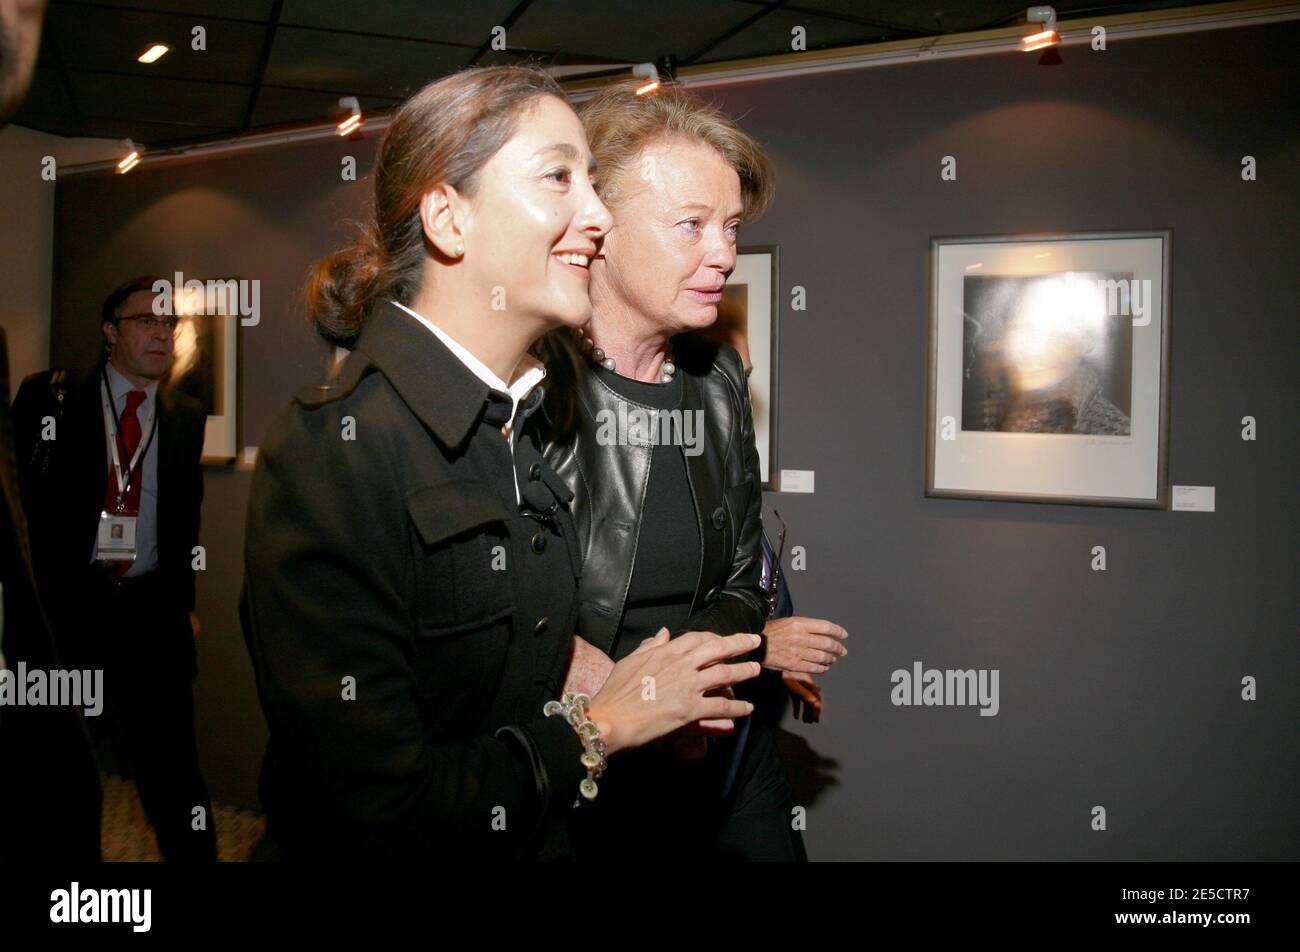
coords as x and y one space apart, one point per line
128 440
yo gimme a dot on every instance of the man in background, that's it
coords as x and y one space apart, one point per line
113 502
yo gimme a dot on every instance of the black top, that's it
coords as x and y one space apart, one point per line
667 566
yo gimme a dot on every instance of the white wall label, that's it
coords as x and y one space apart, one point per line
796 481
1194 498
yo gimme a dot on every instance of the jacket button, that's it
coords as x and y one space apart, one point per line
539 543
535 472
540 627
713 593
719 518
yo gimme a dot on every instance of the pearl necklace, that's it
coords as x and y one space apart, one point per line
666 372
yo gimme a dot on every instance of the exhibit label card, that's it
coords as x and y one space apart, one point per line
796 480
1194 498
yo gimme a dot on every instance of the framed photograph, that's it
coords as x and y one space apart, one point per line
206 367
1049 368
748 321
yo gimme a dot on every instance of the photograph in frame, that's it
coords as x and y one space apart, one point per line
206 364
1049 368
748 321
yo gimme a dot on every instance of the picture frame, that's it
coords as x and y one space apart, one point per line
749 320
206 366
1049 368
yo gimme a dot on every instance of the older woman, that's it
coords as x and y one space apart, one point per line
654 433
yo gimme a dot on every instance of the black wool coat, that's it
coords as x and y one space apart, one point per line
407 618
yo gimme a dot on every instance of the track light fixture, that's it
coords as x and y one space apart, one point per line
1047 36
353 122
650 73
130 159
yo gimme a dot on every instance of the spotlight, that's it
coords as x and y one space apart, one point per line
154 53
131 159
353 122
1047 36
648 72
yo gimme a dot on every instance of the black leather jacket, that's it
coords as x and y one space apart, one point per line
609 484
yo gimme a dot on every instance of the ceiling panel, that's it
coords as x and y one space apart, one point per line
47 93
954 16
103 39
907 15
468 24
358 65
58 124
773 33
239 9
624 31
178 102
144 132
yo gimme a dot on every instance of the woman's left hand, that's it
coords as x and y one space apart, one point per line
588 668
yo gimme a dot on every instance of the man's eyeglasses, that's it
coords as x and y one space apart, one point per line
774 576
150 323
780 539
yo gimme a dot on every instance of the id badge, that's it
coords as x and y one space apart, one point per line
116 537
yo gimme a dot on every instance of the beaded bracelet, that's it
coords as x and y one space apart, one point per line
574 708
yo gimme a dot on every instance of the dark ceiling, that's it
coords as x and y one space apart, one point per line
277 62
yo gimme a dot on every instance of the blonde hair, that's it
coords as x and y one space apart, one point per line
620 124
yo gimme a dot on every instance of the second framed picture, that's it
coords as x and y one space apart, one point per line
748 319
206 364
1049 368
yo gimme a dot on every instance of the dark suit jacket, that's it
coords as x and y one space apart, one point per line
64 502
49 784
372 559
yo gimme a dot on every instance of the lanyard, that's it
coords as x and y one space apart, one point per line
124 482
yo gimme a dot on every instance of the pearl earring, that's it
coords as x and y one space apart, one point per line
460 250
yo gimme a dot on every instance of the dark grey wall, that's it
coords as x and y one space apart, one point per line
1119 689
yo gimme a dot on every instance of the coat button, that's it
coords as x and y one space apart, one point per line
540 627
713 593
535 472
719 518
539 543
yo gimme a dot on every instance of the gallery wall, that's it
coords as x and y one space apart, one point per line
1119 689
27 197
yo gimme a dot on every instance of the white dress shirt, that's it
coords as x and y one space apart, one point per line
527 376
146 527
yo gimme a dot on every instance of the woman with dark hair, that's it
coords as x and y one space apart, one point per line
653 430
411 565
